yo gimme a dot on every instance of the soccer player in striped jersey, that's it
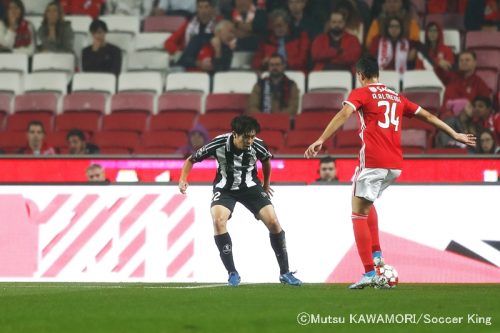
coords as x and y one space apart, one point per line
237 154
380 111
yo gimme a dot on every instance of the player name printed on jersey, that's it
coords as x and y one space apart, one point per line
384 93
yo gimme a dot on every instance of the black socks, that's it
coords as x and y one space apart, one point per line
278 243
225 247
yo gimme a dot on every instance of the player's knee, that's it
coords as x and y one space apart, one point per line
273 225
219 222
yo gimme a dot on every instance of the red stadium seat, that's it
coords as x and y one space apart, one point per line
313 120
273 121
447 20
164 139
488 59
125 121
5 103
135 102
412 150
163 23
482 40
348 139
155 150
57 140
447 151
302 138
322 101
343 151
39 102
172 121
414 138
180 102
231 102
11 142
274 139
85 102
19 121
87 122
490 77
414 123
429 100
121 141
114 151
220 122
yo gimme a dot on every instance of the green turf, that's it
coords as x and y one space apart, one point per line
58 307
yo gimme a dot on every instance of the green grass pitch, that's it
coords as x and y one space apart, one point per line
91 307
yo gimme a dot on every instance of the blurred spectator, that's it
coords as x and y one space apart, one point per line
202 24
275 93
335 49
35 135
83 7
446 6
16 34
484 114
293 49
464 83
486 143
392 50
356 14
327 170
215 54
96 173
394 8
250 23
481 14
197 138
174 7
55 34
101 56
78 145
302 22
464 123
139 8
434 49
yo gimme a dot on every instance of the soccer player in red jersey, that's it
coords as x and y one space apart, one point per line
380 111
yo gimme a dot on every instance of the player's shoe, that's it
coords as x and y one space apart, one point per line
367 280
378 260
289 278
234 279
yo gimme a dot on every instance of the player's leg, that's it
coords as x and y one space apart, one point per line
222 207
267 215
373 226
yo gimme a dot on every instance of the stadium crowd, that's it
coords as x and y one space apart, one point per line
148 76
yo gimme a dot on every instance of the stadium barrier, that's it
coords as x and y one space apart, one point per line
430 233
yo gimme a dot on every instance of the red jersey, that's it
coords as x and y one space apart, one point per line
380 112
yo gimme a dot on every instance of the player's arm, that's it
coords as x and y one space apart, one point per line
337 122
266 171
468 139
186 169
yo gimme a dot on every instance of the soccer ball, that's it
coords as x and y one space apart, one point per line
387 277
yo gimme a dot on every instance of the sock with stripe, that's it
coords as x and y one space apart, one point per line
278 243
373 226
363 240
225 247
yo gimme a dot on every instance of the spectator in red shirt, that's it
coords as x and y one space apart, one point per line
294 49
463 83
434 49
335 49
36 144
203 23
82 7
482 15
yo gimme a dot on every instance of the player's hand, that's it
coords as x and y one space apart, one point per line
313 149
468 139
267 188
183 185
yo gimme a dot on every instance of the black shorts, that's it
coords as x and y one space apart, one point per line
253 198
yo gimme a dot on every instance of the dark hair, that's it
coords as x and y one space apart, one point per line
19 4
326 159
277 55
245 124
479 148
98 24
277 13
35 123
387 23
368 66
472 53
75 132
486 100
60 19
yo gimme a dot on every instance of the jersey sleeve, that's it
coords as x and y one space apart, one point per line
263 153
410 108
207 150
355 99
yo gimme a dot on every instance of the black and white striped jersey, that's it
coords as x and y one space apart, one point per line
237 169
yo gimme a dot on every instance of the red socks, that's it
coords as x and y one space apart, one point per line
373 225
363 238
